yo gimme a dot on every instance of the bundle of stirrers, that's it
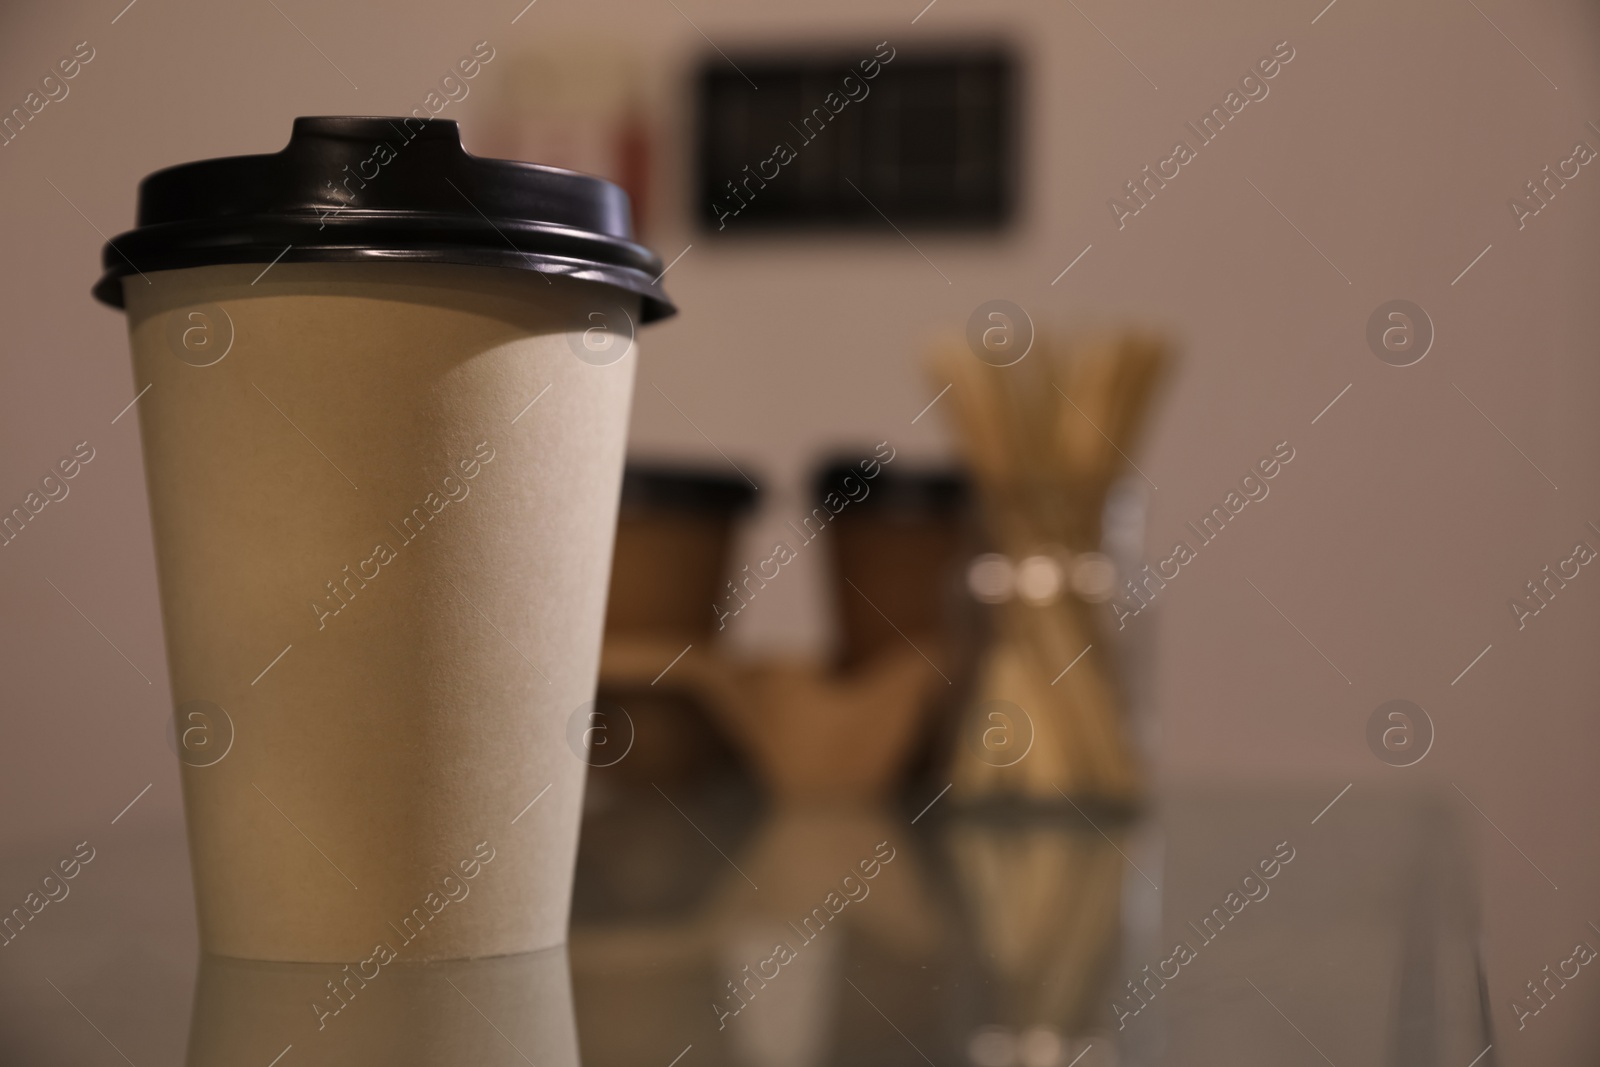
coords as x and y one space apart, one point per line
1046 438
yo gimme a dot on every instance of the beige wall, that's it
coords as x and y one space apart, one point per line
1393 541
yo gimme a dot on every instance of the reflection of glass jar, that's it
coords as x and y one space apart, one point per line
1045 970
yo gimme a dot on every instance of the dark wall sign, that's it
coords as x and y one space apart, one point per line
927 137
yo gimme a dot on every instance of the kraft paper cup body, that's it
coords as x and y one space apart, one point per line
399 1015
384 498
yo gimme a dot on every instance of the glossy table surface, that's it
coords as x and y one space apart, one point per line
1224 926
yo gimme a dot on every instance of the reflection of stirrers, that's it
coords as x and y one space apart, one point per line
1047 907
1046 439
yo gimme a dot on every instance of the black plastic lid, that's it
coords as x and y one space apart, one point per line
921 492
348 190
649 486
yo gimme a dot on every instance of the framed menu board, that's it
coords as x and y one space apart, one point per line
853 137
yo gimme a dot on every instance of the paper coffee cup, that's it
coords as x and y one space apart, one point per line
383 483
503 1012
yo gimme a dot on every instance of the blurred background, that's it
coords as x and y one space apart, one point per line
1383 163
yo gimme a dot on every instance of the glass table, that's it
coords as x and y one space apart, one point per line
1223 926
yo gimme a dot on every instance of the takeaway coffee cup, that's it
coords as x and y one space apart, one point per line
387 389
398 1015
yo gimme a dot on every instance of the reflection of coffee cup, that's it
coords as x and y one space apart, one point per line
503 1011
383 486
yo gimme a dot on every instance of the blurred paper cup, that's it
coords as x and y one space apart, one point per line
386 391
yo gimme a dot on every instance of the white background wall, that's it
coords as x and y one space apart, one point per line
1393 541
